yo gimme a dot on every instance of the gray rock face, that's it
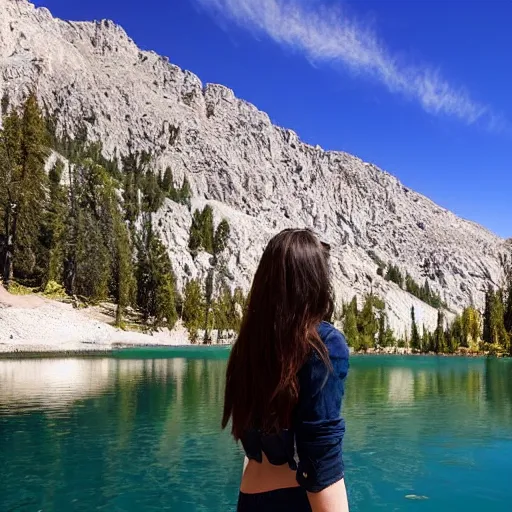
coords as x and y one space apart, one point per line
262 178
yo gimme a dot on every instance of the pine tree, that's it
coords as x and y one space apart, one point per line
389 338
221 237
223 311
350 325
425 340
153 197
208 303
91 245
508 304
167 184
240 302
156 283
382 330
53 229
196 237
456 335
93 260
393 274
4 104
185 193
23 154
202 233
10 171
470 335
489 301
207 229
499 335
367 322
451 344
130 196
193 308
439 344
123 273
415 336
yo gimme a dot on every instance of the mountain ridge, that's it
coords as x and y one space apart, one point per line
258 175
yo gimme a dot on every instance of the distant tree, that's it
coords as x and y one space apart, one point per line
23 152
425 340
350 325
167 184
4 104
207 229
415 336
193 308
196 233
185 193
208 303
367 321
393 274
123 278
439 344
413 288
221 237
53 228
499 335
240 301
156 283
471 327
382 330
487 322
389 338
455 335
224 312
153 196
92 259
508 310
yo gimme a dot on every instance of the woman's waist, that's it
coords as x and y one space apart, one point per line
264 476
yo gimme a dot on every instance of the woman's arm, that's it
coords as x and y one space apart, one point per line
319 428
331 499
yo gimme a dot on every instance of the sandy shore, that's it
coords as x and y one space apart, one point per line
34 324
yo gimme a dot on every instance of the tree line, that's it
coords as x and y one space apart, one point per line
490 331
86 226
423 292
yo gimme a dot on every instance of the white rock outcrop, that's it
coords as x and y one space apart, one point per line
262 178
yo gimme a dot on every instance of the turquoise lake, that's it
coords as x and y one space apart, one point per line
140 432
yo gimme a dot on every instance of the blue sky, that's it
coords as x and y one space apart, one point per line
420 88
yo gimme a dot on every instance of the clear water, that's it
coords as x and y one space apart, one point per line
140 432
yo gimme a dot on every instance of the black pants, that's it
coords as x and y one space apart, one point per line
294 499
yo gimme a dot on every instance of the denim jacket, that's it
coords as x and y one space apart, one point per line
313 446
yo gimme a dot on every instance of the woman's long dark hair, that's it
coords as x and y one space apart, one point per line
290 295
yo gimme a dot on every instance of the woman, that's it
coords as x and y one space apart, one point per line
285 382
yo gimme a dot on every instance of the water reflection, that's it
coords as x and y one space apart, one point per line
143 434
418 425
56 383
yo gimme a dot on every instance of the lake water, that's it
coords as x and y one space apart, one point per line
140 432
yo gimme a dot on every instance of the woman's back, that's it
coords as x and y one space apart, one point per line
285 383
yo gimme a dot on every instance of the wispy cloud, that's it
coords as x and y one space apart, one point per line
327 34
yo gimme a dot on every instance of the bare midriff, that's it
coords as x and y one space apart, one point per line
264 477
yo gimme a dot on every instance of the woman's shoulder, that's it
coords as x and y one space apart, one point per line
334 340
322 384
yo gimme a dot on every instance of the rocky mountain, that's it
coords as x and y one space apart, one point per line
260 177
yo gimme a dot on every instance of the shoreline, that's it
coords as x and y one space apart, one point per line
102 352
32 324
86 354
